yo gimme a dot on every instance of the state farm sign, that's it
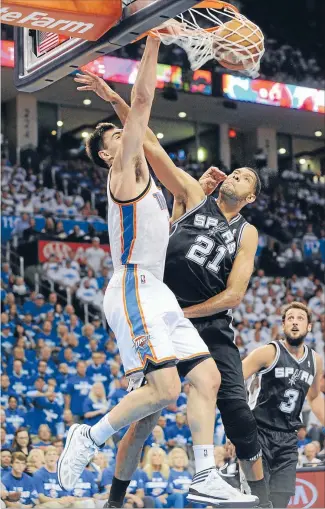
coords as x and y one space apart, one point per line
63 250
75 18
309 490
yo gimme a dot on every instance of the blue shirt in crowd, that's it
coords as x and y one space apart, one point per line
24 485
182 435
86 485
156 486
47 483
100 373
91 406
179 480
16 418
78 387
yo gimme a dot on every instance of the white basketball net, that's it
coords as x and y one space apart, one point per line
202 46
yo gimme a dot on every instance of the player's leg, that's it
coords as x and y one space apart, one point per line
162 389
144 345
283 474
200 369
280 500
128 457
239 423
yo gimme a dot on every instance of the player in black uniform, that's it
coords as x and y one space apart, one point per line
209 262
285 372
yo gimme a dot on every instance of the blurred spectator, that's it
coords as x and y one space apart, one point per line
19 482
5 456
178 434
95 405
35 461
309 456
44 437
95 255
22 441
78 388
47 483
156 485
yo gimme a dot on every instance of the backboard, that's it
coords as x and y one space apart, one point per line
43 58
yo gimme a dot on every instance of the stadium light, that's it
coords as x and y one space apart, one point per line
87 102
282 151
182 114
318 134
202 154
59 123
160 136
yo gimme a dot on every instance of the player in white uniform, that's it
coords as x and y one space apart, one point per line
151 331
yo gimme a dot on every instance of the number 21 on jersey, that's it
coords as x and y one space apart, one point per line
200 251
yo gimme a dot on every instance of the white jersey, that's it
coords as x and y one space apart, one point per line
139 230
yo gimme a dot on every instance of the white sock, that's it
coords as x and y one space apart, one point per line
204 457
102 431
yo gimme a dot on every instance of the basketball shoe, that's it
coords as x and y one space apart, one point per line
78 451
209 487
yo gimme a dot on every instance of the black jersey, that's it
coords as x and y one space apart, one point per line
277 393
201 252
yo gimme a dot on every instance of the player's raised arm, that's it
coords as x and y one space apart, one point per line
314 396
185 188
258 359
139 114
237 281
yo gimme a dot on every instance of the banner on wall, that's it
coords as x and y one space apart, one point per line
309 489
62 250
273 93
125 70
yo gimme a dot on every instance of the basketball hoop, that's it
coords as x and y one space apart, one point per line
216 30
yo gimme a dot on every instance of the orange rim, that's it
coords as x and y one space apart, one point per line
206 4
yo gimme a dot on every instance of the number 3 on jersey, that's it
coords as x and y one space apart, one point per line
200 251
289 406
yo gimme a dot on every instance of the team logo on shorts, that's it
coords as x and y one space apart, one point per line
141 341
143 279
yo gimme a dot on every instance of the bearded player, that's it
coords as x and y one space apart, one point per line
284 373
210 259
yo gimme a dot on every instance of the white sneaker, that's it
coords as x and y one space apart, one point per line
78 452
208 486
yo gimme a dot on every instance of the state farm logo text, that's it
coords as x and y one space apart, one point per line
41 20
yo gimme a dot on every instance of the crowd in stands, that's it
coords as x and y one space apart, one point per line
57 370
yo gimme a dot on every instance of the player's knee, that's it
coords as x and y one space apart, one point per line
206 379
241 429
141 430
169 392
166 385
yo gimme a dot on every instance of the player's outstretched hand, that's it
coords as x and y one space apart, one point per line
92 82
211 179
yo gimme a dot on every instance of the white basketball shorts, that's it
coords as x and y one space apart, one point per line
147 321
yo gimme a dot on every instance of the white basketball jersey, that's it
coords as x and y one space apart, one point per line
139 230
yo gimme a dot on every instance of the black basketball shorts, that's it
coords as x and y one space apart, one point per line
280 457
218 335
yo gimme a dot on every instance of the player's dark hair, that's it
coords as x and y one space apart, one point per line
95 143
296 305
258 183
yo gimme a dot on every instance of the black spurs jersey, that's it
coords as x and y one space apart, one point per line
201 252
277 393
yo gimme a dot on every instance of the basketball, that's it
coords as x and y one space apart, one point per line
236 39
